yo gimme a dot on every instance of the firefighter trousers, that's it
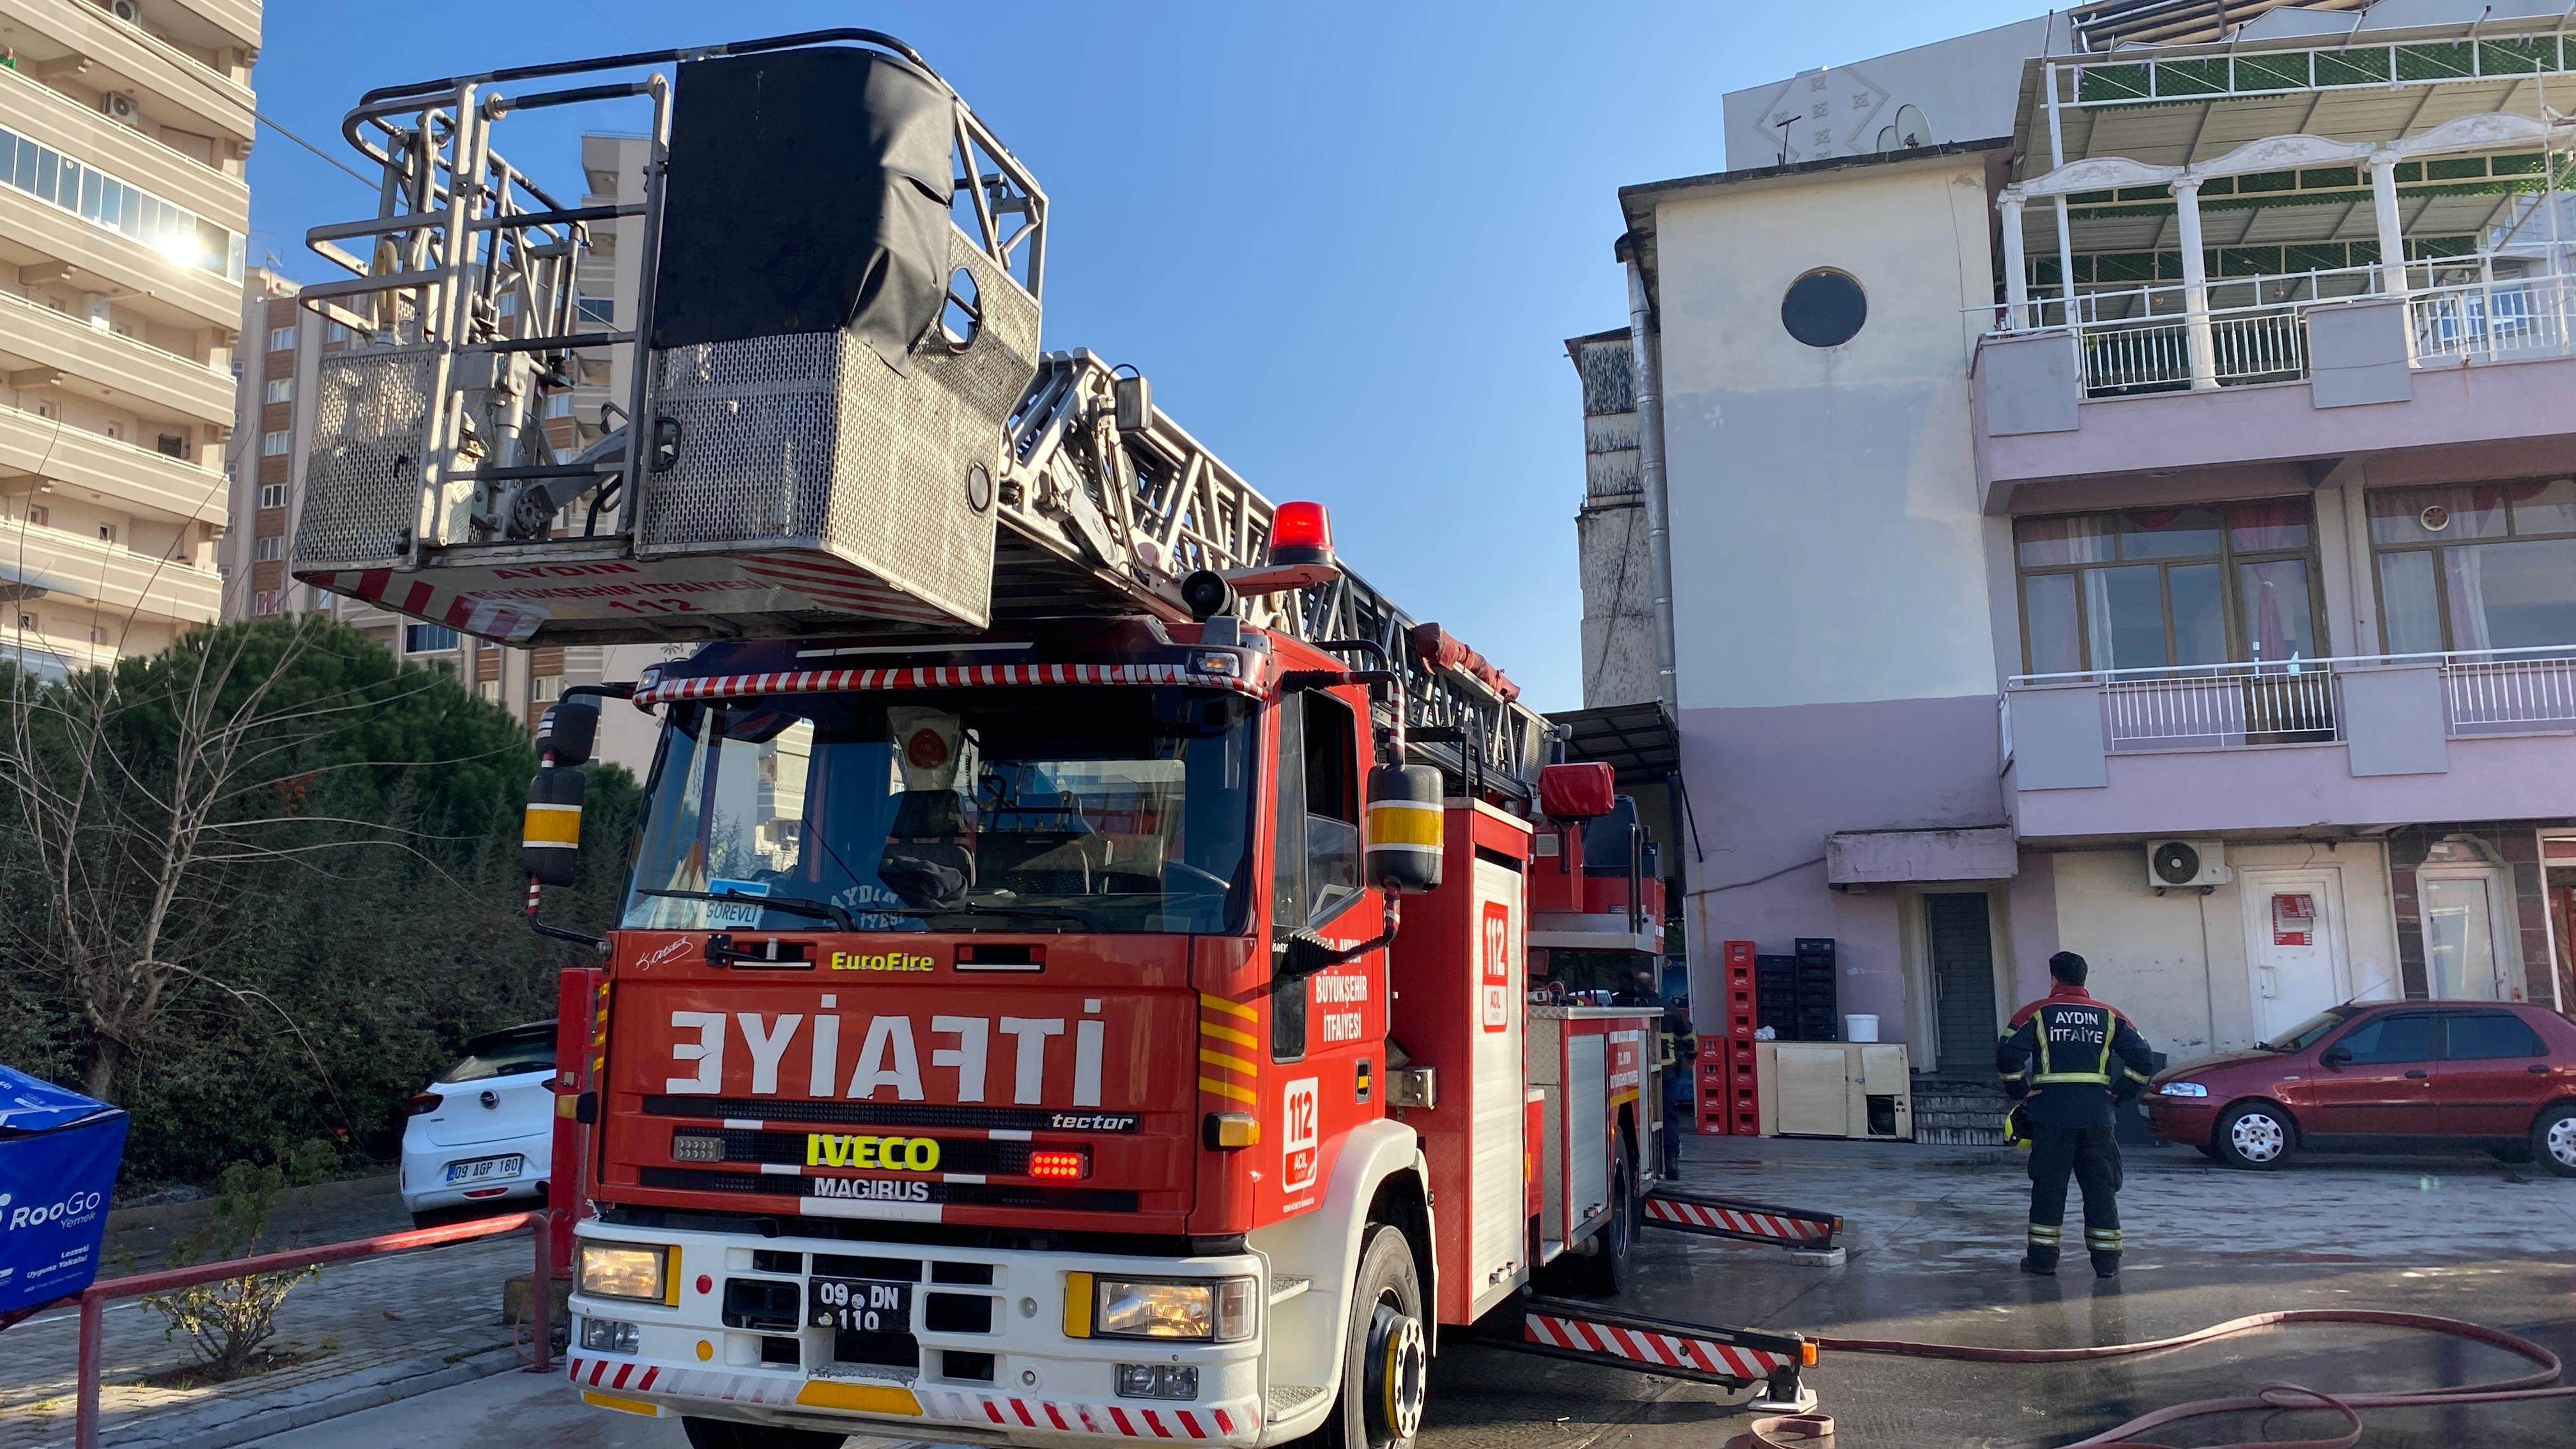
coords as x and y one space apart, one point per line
2089 1156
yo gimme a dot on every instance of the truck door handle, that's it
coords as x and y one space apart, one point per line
2418 1072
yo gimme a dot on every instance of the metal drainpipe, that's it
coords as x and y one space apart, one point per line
1649 366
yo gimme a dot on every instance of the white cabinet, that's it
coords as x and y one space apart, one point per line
1833 1089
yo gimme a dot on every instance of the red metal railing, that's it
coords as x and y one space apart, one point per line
94 1299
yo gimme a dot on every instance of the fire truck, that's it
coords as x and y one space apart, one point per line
1085 966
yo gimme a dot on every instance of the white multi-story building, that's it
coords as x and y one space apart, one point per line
2163 436
124 127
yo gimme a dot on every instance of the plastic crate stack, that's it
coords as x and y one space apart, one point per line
1726 1080
1819 1017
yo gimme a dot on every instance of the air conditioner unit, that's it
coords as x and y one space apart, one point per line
2176 864
127 11
121 107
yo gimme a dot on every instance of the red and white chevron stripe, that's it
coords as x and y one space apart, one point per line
1738 1220
612 1373
1657 1349
829 681
1221 1423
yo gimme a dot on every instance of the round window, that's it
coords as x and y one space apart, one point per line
1824 308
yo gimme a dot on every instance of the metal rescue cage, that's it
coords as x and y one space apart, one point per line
828 360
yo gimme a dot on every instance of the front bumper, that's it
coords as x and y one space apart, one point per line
2187 1120
1043 1387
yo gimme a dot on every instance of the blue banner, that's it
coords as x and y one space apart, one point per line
58 1156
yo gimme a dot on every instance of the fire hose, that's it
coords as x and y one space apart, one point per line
1816 1431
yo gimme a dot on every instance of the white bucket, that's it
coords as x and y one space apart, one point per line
1858 1027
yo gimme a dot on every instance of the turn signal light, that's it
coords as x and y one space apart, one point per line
1059 1165
422 1103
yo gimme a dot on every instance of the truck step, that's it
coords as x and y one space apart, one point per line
1286 1400
1705 1353
1750 1222
1283 1287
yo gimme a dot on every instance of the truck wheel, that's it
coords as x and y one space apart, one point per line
1605 1272
1386 1360
730 1434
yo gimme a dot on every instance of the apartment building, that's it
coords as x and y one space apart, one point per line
2130 507
124 128
276 425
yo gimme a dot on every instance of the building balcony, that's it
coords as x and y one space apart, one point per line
137 61
138 479
2480 349
237 20
31 108
82 573
152 381
149 282
2331 743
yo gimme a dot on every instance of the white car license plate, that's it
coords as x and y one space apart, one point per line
485 1169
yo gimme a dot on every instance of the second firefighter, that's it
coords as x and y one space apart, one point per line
2070 1060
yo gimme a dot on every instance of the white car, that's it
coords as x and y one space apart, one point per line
484 1131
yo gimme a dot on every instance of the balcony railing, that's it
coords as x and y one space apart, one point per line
2138 339
2230 706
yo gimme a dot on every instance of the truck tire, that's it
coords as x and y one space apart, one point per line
732 1434
1386 1356
1603 1272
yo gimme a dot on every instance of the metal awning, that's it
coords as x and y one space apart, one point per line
1637 741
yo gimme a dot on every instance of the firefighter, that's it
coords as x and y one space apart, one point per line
2070 1061
1680 1057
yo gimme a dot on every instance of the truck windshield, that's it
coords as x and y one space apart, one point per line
1119 809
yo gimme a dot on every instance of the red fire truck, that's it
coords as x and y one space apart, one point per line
1076 975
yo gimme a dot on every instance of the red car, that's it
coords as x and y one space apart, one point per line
2403 1075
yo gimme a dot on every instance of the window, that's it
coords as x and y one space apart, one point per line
177 234
2153 588
1824 308
280 389
545 687
336 332
39 515
171 445
427 638
559 405
600 311
26 623
282 339
267 548
272 495
107 532
1316 865
488 690
2476 1035
2397 1037
506 305
277 444
2475 566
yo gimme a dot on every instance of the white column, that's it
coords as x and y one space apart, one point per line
2383 205
2016 270
2195 286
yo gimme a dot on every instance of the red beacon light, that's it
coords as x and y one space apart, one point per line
1300 533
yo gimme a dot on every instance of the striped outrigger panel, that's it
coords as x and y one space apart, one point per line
1752 1222
1652 1349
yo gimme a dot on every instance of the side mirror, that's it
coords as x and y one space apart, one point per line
2337 1056
550 841
1405 828
568 730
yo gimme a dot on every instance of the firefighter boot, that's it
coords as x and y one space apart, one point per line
2041 1258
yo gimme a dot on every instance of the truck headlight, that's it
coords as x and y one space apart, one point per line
640 1271
608 1335
2185 1089
1210 1310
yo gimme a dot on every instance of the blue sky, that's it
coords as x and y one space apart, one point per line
1346 242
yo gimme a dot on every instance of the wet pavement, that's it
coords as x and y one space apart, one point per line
1933 1234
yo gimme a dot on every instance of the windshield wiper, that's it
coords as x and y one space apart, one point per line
792 905
1081 918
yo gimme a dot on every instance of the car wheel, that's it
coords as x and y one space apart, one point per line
728 1434
2256 1135
2553 1140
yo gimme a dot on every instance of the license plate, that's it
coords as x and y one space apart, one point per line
859 1305
485 1169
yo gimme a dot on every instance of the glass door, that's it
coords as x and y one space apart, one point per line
2461 959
